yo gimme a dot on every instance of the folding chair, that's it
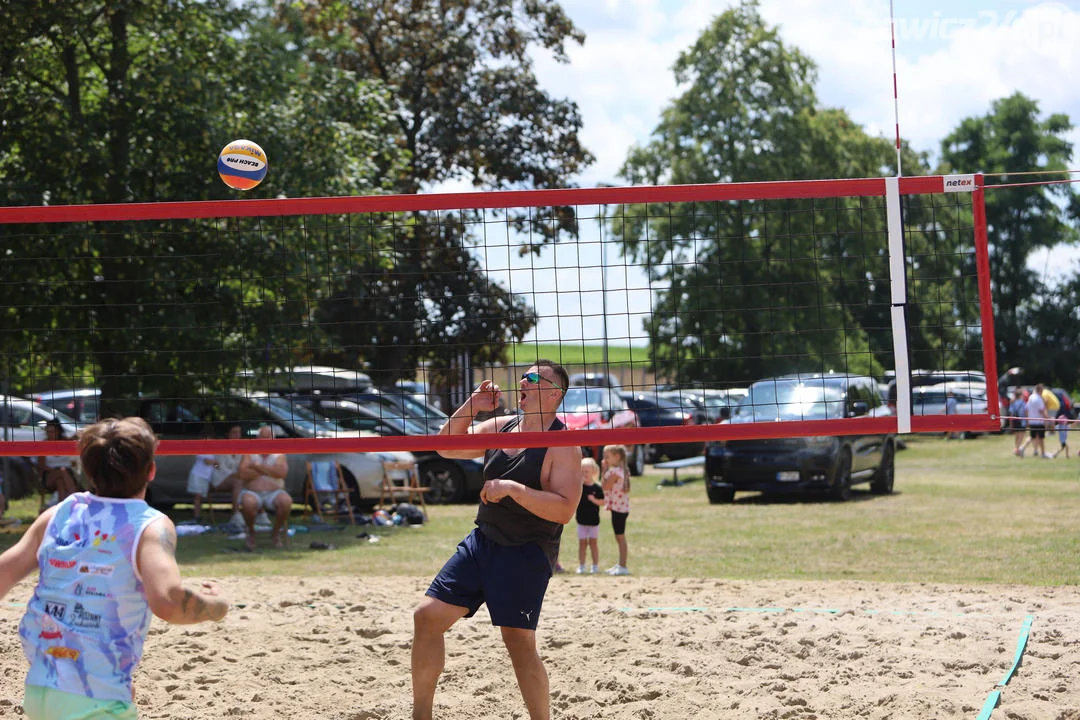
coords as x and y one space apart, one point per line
325 485
401 479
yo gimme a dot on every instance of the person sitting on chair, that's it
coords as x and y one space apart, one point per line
57 472
264 489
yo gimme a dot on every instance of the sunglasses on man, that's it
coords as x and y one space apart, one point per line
535 378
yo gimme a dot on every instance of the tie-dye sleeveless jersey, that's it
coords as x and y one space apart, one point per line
84 627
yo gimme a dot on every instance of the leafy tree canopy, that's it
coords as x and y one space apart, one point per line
1013 138
131 101
744 295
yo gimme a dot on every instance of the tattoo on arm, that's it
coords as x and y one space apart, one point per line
194 607
167 538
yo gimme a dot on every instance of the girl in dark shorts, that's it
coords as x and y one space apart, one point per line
616 485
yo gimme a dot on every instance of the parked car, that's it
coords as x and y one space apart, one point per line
306 378
785 464
24 420
450 481
714 404
920 378
653 411
82 404
211 417
933 399
594 379
354 385
418 390
589 408
687 401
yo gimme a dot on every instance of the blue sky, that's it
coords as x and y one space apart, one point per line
953 59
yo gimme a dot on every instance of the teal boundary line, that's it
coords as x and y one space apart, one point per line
995 695
819 611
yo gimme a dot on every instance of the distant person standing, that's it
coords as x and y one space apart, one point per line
951 408
1037 419
1063 424
1018 421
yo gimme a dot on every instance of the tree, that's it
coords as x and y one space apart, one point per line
760 287
1012 138
468 107
122 101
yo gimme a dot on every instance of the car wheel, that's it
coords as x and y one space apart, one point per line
355 499
840 490
446 480
720 495
882 484
637 461
648 453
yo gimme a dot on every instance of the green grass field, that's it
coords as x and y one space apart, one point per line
570 353
963 512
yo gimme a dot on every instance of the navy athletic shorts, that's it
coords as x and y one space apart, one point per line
512 580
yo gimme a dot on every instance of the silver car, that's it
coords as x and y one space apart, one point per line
24 420
211 417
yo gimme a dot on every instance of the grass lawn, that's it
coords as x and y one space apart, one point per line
570 353
963 512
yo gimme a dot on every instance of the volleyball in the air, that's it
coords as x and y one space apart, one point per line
241 164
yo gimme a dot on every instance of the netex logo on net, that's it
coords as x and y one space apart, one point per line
958 183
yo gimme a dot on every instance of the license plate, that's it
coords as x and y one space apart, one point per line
788 476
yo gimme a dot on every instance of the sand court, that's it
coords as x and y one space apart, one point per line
616 648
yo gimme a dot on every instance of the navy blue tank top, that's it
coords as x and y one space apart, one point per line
506 522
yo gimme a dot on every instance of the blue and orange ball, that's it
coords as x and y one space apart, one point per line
242 164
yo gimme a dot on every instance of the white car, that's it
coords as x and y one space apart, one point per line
211 417
932 399
25 420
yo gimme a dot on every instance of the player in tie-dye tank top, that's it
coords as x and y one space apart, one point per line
106 562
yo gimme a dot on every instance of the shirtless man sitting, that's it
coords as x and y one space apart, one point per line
263 477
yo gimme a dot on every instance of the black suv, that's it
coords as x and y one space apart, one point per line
782 465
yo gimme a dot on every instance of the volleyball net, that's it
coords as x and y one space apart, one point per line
202 315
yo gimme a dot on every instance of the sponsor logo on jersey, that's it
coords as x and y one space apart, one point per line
63 652
62 564
93 569
56 609
87 589
81 617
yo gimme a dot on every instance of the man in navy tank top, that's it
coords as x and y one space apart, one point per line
508 559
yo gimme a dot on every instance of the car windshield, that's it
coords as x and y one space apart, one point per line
419 409
583 400
300 418
356 420
64 418
790 400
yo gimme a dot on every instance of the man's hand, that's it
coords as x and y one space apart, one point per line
485 398
495 490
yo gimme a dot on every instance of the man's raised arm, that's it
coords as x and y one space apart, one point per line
485 398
